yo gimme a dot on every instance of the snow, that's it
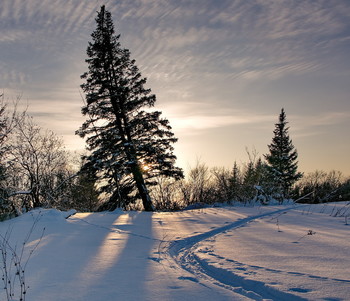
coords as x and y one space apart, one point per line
285 252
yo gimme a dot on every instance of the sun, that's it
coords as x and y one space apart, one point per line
146 167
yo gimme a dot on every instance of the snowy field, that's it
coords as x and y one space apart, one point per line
279 253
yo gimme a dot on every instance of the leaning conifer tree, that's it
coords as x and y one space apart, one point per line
282 164
128 145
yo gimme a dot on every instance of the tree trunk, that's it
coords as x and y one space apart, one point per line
141 186
131 155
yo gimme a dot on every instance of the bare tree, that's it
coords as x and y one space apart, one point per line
198 188
166 194
38 159
7 125
320 186
222 179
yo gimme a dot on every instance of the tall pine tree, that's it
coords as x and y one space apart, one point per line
129 145
282 164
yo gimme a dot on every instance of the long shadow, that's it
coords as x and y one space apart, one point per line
127 276
66 249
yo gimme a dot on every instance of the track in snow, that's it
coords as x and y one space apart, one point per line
183 252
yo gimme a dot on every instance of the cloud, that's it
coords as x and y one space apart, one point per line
273 72
10 78
213 64
45 20
280 19
204 122
191 118
13 36
272 39
319 124
322 119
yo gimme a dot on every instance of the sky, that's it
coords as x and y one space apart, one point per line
221 70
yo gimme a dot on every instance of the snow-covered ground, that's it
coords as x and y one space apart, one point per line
289 252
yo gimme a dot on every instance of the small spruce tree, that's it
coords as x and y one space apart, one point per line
235 183
282 164
129 145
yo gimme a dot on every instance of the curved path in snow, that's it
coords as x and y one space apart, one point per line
183 252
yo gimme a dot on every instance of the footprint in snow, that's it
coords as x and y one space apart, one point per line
155 259
299 290
174 287
188 278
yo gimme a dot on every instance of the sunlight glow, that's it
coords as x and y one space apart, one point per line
146 167
108 253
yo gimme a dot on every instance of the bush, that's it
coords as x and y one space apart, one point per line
321 187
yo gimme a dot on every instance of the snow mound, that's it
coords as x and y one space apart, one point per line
45 215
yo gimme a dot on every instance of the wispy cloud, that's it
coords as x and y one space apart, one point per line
11 77
280 19
191 118
41 22
191 124
13 36
319 125
323 119
213 64
270 39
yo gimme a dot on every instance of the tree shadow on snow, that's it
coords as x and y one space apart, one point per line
93 259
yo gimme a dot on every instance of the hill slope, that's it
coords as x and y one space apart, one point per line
228 253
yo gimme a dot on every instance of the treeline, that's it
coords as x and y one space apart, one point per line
35 168
247 184
37 171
